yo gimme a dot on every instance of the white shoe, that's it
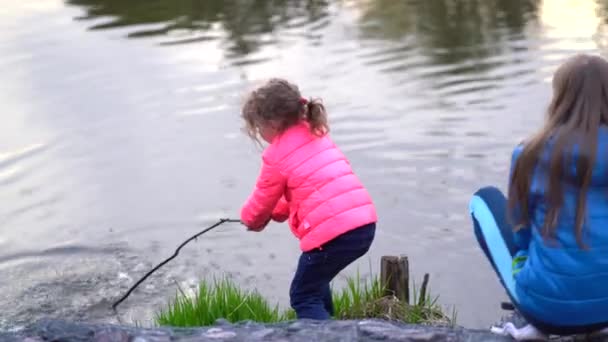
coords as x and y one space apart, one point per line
603 332
526 333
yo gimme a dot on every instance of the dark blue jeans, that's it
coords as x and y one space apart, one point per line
310 292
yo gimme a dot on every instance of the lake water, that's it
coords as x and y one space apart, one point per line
121 137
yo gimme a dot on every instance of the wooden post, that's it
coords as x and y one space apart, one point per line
395 277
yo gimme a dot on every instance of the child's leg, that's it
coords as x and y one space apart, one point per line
310 293
328 302
488 209
306 292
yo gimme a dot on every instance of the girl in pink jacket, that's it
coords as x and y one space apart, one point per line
306 179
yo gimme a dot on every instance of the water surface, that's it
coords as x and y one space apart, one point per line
121 136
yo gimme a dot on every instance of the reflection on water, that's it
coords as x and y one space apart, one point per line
121 135
450 31
243 24
447 31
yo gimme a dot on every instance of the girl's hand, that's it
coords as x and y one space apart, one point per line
259 229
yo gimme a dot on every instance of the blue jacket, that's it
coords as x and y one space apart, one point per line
561 284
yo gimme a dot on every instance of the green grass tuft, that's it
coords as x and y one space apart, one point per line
359 299
223 299
353 301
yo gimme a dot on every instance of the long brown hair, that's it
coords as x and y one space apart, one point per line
280 103
578 108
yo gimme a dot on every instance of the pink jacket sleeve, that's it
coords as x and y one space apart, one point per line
281 211
269 189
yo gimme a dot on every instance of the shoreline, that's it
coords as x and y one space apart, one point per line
304 330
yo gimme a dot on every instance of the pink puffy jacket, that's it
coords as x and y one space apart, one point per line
307 179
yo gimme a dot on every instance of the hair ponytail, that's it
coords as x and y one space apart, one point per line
280 104
316 116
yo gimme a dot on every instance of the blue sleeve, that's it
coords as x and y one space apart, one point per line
522 237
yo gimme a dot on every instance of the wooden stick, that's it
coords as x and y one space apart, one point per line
425 284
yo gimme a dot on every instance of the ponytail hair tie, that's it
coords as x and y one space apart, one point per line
303 101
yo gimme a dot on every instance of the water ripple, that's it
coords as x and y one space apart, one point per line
426 107
10 158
